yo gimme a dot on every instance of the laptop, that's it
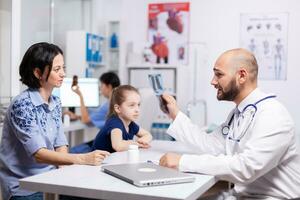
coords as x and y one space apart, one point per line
147 174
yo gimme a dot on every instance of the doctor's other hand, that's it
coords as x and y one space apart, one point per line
172 105
94 158
170 160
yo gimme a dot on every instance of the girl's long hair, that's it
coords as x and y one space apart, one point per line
118 96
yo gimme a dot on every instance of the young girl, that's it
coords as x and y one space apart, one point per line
119 129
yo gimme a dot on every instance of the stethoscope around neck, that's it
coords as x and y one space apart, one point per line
250 107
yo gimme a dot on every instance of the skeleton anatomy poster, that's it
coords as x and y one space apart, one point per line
168 31
266 36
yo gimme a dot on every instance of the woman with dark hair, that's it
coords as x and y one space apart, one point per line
33 139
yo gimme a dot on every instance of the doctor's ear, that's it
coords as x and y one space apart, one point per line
37 73
242 75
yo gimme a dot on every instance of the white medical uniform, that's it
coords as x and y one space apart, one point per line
265 163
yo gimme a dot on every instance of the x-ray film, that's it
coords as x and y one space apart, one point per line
157 85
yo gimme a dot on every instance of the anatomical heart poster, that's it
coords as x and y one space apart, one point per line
168 32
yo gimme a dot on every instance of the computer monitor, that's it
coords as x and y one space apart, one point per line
89 88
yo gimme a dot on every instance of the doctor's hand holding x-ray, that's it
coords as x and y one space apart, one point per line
255 148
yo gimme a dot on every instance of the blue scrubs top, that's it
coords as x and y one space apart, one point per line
29 125
103 139
98 116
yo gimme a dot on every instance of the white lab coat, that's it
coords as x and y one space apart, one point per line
265 162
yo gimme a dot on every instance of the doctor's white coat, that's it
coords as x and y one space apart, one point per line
265 163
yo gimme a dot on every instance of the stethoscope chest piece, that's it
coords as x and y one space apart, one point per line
225 130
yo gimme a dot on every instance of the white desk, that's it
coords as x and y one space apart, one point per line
89 181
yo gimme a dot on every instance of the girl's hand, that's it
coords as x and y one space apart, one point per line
144 142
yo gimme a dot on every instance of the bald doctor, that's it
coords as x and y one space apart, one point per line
255 148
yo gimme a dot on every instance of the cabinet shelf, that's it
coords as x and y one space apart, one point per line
113 48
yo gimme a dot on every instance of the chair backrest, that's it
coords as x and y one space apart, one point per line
197 112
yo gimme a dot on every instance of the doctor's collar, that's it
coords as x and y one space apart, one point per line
255 95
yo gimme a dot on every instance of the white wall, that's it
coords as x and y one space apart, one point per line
5 18
216 23
68 15
35 23
104 11
8 35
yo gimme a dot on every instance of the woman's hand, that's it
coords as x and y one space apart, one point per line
94 158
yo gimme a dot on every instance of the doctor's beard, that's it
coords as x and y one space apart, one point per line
232 91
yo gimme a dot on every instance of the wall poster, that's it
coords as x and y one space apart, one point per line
266 36
168 32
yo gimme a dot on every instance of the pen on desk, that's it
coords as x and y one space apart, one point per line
153 161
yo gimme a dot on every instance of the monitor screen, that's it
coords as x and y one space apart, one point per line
89 88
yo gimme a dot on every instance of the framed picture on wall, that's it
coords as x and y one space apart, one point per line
168 32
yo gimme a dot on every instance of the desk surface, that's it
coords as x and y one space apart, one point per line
91 182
